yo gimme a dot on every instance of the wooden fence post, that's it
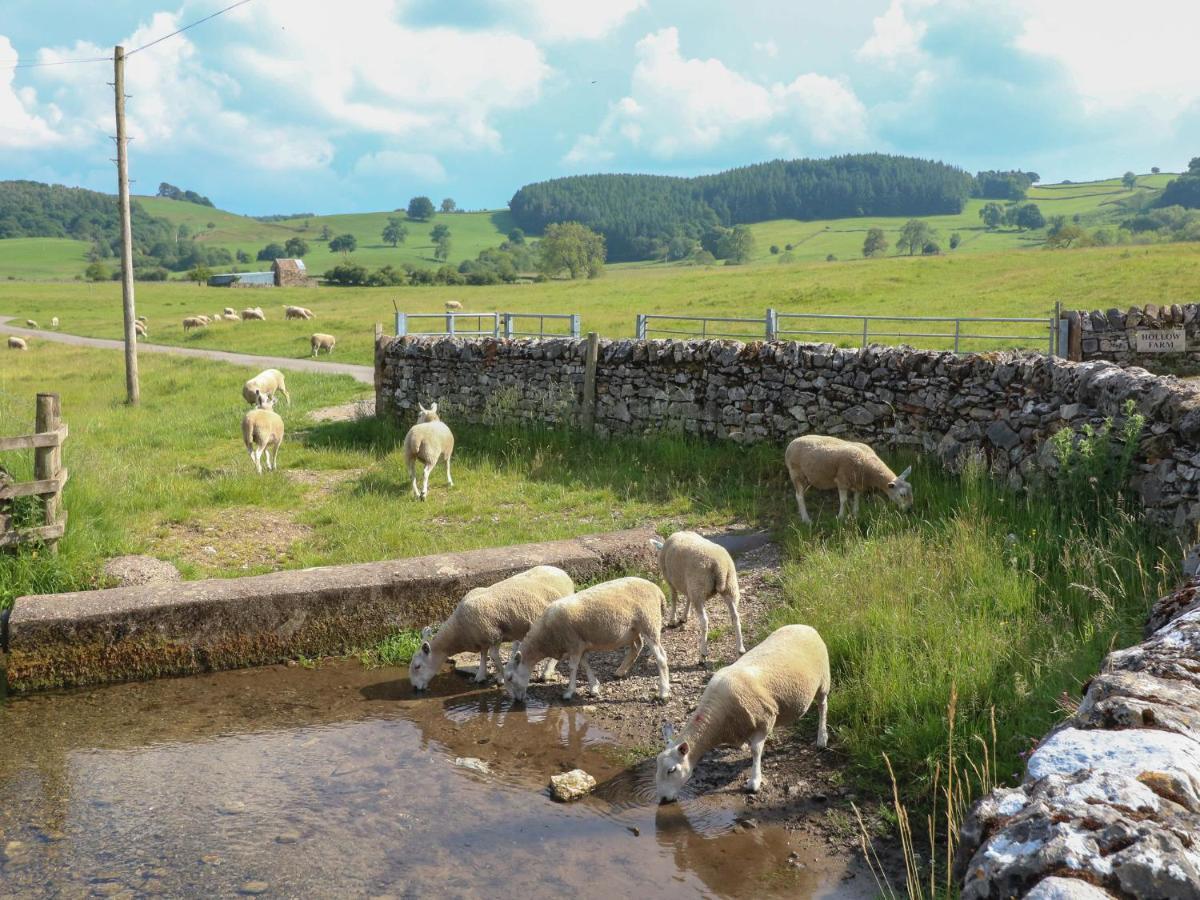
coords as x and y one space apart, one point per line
48 460
589 380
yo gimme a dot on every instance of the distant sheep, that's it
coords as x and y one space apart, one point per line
30 323
193 322
321 342
428 441
262 432
453 306
268 381
205 319
228 311
142 319
297 312
54 323
699 570
828 462
231 317
253 313
772 685
139 329
16 343
625 613
485 618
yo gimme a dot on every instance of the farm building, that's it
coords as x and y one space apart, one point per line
284 273
289 273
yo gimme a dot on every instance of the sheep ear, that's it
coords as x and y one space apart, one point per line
433 407
516 658
683 749
425 648
668 732
904 475
421 406
657 544
426 632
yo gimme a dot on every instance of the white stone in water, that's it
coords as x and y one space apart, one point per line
1130 753
1058 888
571 785
472 764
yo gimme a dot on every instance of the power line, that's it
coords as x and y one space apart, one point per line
93 59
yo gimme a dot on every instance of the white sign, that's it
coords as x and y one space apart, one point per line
1170 340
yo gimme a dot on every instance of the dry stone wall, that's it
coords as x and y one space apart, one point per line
1002 406
1114 334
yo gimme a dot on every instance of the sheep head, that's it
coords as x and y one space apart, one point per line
674 767
516 676
899 491
427 415
421 668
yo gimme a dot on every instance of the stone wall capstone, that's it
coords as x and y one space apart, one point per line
1002 406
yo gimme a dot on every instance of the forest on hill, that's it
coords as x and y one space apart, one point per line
639 214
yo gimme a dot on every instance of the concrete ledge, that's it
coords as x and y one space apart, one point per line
144 631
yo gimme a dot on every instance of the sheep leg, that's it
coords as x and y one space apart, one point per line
687 608
732 602
854 509
481 674
631 656
593 681
286 396
574 671
412 474
843 494
757 742
703 615
548 665
449 480
664 672
822 709
425 486
254 459
672 621
800 503
494 653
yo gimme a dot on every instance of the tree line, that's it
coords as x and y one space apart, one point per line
168 190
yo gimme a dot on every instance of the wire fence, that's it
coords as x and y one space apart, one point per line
469 324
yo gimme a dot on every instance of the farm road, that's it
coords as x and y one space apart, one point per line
365 374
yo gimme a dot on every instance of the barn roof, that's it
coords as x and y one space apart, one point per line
289 265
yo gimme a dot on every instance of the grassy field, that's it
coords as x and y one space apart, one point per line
981 284
34 258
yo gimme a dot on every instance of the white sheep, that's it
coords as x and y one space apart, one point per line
626 612
453 306
262 432
321 342
828 462
254 312
268 381
30 323
699 569
139 329
205 319
142 319
228 311
231 317
193 322
773 684
54 323
485 618
429 440
297 312
16 343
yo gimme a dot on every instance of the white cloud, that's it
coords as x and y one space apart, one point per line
23 128
425 166
571 20
894 38
679 106
767 48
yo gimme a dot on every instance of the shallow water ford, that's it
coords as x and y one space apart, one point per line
340 782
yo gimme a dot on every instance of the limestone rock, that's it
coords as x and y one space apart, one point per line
571 785
136 569
471 764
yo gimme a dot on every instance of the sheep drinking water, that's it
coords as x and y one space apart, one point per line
626 613
773 684
485 618
829 462
428 441
699 570
262 432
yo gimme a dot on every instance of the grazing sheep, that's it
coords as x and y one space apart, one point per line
268 381
429 440
774 684
453 306
205 319
142 319
485 618
231 317
622 613
54 323
30 323
193 322
228 311
262 430
16 343
322 342
297 312
253 313
139 329
829 462
699 569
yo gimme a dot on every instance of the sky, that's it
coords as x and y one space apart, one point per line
282 106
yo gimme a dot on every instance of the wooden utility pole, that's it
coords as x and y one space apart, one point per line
132 389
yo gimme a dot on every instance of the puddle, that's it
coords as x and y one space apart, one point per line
338 781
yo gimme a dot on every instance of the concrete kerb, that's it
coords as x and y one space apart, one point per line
151 630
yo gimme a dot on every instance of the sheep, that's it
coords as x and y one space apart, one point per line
16 343
205 319
54 323
142 319
486 617
193 322
262 430
228 311
829 462
626 613
297 312
268 381
231 317
30 323
774 684
254 312
429 440
139 329
453 306
699 569
322 342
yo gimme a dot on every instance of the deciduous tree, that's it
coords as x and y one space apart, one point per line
420 208
572 247
875 244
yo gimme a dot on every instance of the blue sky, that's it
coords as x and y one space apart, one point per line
295 105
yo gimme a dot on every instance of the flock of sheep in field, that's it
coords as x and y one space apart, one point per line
318 341
547 620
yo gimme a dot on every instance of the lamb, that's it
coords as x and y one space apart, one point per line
139 329
268 381
262 430
829 462
253 313
699 569
774 684
297 312
322 342
626 612
486 617
429 440
54 323
16 343
30 323
193 322
453 306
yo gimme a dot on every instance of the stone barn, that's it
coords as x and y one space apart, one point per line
289 273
